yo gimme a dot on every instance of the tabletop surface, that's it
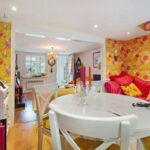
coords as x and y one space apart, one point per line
102 105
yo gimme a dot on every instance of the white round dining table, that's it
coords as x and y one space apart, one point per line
104 105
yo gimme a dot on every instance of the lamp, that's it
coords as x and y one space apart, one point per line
115 55
52 58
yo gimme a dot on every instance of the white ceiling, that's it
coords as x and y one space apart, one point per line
31 44
75 18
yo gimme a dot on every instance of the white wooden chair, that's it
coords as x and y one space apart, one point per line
106 129
44 94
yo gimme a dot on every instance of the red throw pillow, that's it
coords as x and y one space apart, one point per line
123 73
114 77
144 86
124 79
112 87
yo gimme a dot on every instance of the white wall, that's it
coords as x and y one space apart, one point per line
87 60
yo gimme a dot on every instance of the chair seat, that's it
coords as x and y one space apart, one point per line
146 142
88 144
46 123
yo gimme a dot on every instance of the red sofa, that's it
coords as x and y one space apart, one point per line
124 79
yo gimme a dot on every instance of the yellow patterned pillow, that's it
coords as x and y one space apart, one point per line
131 90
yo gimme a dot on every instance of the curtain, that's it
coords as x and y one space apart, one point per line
64 69
61 62
70 67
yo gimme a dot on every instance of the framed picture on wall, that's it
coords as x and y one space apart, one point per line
96 59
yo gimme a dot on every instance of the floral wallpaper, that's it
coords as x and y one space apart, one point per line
5 52
133 57
113 67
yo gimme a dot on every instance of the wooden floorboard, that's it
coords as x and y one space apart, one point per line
25 114
23 136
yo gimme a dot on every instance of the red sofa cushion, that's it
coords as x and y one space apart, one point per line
141 97
113 87
122 79
148 96
114 77
144 86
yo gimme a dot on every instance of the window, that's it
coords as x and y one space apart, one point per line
34 65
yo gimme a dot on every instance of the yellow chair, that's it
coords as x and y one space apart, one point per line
43 94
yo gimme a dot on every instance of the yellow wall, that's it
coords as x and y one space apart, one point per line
134 57
5 52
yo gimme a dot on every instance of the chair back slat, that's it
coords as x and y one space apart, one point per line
96 128
44 94
107 129
45 99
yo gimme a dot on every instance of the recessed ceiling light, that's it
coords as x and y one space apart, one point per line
63 39
13 8
35 35
95 26
128 33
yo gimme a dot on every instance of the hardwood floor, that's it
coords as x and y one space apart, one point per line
25 114
23 136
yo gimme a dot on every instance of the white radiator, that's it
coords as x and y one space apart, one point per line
31 83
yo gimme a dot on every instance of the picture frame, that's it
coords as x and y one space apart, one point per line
96 59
